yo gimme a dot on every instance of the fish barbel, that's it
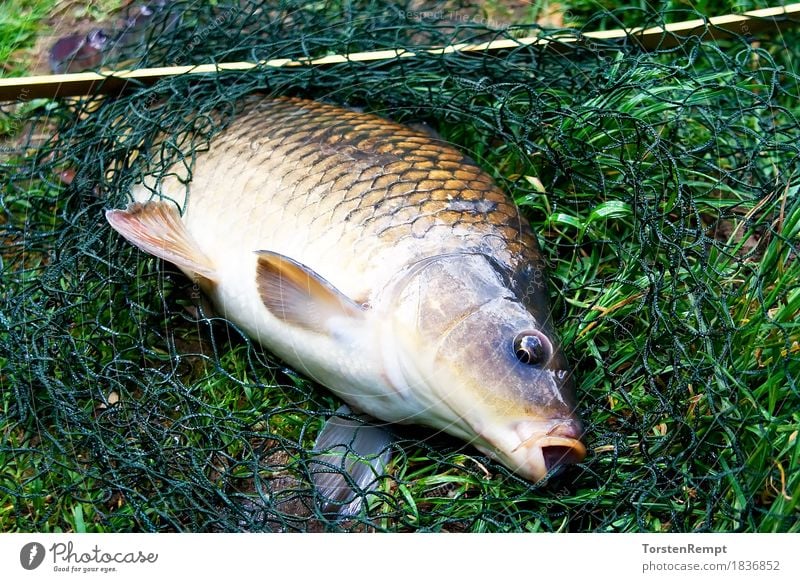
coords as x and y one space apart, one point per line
380 262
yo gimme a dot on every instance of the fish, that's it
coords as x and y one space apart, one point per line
383 264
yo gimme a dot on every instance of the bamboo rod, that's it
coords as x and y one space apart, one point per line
74 84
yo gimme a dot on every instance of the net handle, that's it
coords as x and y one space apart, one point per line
667 36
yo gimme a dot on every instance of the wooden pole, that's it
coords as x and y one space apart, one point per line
107 82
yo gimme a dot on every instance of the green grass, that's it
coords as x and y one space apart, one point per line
607 14
686 345
20 22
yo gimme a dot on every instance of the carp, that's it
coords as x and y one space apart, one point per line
383 264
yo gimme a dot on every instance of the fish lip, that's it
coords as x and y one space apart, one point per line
556 431
576 446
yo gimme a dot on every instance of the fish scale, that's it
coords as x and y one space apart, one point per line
368 196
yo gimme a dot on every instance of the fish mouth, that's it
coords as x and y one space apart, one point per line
543 448
559 452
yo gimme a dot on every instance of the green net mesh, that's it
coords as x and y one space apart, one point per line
661 185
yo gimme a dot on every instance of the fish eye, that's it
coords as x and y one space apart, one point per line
533 348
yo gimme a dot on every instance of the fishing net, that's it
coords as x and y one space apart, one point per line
662 185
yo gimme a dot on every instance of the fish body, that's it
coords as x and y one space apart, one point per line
380 262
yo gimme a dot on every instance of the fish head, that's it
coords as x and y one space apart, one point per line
481 359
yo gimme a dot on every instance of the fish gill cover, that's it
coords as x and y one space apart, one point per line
662 186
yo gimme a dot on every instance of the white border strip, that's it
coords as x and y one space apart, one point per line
401 557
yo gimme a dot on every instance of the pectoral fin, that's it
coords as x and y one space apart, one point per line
157 228
297 295
350 457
